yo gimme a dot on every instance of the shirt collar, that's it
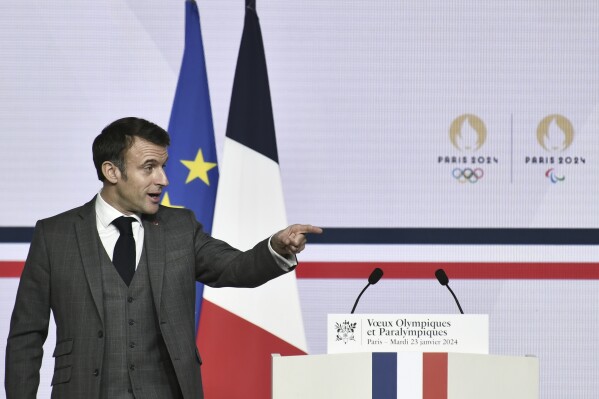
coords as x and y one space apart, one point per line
106 213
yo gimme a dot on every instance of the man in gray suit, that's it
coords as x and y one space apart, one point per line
127 333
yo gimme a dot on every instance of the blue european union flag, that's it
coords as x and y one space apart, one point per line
192 166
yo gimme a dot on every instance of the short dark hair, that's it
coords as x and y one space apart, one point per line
117 138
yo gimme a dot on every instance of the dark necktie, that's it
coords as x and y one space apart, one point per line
124 250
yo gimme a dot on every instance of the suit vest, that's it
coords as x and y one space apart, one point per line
136 363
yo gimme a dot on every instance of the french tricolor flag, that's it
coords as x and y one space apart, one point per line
240 328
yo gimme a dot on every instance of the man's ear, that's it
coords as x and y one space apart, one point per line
111 172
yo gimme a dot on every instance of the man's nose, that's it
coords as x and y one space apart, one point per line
162 180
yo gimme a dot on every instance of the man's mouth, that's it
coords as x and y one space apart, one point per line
154 196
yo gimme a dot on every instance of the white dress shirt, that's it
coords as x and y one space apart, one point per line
105 214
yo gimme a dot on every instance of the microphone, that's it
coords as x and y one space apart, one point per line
374 278
444 280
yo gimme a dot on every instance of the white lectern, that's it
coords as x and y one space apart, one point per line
405 375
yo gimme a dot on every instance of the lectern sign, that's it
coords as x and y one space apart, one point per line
348 333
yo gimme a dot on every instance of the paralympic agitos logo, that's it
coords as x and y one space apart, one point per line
555 135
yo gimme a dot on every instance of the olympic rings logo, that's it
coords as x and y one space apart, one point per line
467 175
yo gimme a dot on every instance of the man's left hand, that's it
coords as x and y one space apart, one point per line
292 240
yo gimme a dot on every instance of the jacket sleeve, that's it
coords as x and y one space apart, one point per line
29 323
220 265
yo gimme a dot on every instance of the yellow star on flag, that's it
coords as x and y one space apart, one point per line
198 168
166 201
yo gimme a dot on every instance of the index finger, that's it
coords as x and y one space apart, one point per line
306 229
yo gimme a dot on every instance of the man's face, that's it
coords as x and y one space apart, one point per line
139 191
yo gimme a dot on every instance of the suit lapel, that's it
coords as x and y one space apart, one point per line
87 237
156 256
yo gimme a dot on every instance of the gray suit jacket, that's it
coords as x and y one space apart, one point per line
62 273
